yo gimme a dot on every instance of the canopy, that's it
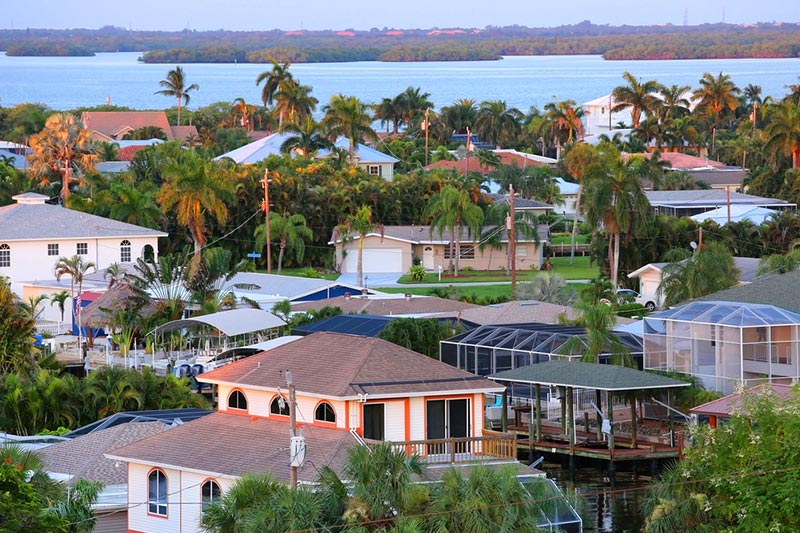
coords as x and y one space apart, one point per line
231 323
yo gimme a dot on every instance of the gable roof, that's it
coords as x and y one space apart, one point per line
519 312
738 213
32 219
728 405
222 444
428 235
746 266
709 198
353 366
111 125
392 305
261 149
251 284
83 457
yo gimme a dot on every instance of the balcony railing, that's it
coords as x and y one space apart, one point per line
492 446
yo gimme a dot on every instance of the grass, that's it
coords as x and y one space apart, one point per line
477 292
580 270
567 239
298 273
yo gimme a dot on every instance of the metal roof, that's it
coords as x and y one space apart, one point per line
271 145
587 376
366 325
737 314
231 323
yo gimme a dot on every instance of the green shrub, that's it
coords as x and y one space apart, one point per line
417 273
310 272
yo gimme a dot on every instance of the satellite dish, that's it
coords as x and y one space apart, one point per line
693 245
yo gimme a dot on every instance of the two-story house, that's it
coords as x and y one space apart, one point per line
350 391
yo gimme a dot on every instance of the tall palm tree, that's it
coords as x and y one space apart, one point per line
688 276
564 122
349 117
639 96
60 298
74 267
579 162
273 80
174 85
413 103
617 201
60 149
496 123
459 116
194 189
294 103
674 103
782 133
453 209
292 234
716 97
389 111
360 223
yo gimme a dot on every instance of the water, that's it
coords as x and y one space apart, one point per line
603 508
71 82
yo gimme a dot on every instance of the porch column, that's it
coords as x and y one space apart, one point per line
610 409
571 418
531 424
634 444
562 400
504 412
598 401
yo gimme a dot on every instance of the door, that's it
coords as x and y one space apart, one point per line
447 419
374 421
376 260
427 258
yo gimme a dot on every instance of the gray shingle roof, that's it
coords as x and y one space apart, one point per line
779 290
587 376
44 221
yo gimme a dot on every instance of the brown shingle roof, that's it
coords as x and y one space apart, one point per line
334 365
115 124
83 457
519 312
417 305
233 445
727 405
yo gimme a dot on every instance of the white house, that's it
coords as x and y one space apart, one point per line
34 235
600 119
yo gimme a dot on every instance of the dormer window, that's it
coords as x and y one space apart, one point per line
237 400
279 406
325 413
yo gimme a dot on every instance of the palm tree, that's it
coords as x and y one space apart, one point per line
273 80
115 274
782 133
388 111
708 270
294 103
579 162
360 223
496 123
412 104
60 298
674 103
453 209
716 97
617 201
175 86
307 138
194 189
639 97
292 232
134 203
546 287
74 267
60 149
564 120
459 116
349 117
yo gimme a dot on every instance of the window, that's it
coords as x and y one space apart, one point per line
52 249
237 400
210 493
467 251
374 421
83 248
157 493
325 413
279 406
374 170
5 255
125 251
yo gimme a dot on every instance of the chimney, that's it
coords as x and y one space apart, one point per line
347 297
408 296
364 294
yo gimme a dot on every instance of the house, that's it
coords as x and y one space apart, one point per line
350 391
269 289
721 409
373 162
717 175
569 195
725 344
394 248
472 164
35 234
782 290
736 213
689 203
112 126
523 205
651 274
599 118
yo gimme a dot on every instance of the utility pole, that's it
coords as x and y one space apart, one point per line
265 183
292 432
469 142
427 126
512 244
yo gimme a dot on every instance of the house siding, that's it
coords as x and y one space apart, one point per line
395 421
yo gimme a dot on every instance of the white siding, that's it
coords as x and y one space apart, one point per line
395 421
113 522
417 418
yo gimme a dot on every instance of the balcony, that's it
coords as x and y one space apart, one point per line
493 446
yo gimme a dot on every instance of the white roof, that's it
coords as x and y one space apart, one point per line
271 145
756 215
567 187
254 286
231 323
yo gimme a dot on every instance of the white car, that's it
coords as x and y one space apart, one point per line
630 295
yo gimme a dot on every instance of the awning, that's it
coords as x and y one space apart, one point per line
231 323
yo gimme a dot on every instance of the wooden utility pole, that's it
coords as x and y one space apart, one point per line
466 165
292 432
512 243
427 127
265 183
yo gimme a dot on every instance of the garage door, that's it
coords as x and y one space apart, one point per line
379 260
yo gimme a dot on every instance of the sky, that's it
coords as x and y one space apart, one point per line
172 15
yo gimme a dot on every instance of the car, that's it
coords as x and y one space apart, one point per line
630 295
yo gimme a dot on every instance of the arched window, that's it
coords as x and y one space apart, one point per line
237 400
148 254
125 251
5 255
210 493
279 406
157 492
325 413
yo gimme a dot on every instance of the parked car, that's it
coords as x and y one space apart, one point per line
630 295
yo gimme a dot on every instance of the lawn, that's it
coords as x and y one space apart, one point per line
477 292
580 270
300 273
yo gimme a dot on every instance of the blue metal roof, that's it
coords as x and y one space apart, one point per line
366 325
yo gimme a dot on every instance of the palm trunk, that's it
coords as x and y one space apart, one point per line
575 224
615 265
458 249
280 254
360 268
179 111
796 157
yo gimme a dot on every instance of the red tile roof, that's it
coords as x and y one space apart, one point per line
106 125
474 165
335 365
233 445
680 161
126 153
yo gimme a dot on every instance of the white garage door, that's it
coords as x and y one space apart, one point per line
379 260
